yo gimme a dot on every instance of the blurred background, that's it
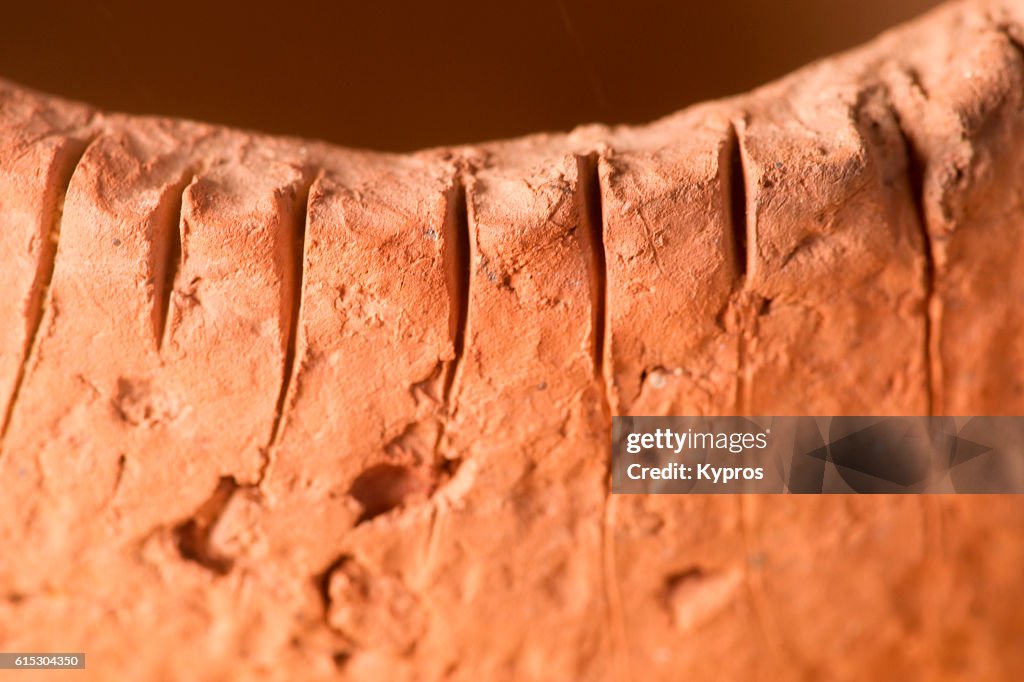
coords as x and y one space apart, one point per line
402 75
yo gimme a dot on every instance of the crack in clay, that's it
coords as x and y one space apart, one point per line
292 294
915 166
45 267
166 255
192 536
591 214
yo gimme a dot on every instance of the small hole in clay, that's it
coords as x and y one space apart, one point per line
690 575
383 487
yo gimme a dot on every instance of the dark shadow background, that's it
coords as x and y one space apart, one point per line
401 75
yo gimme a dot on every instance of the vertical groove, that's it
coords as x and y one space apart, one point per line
457 270
742 243
933 312
456 247
591 215
45 266
168 260
294 288
738 202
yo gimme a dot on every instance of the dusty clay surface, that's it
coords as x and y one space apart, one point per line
276 410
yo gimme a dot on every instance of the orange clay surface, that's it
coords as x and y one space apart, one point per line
279 410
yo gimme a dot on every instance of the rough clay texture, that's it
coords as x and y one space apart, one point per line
276 410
